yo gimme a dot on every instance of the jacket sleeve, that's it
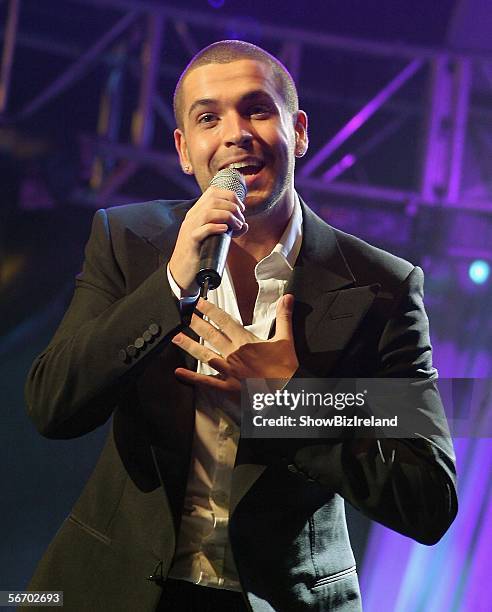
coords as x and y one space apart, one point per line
406 484
74 384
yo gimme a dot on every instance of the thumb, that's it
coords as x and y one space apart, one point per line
283 321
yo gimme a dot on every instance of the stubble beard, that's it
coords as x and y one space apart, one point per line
279 190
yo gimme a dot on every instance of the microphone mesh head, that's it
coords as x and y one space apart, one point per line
231 179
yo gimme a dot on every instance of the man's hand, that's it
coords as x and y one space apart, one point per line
215 212
239 354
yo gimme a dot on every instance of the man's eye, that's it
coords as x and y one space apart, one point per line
207 118
259 110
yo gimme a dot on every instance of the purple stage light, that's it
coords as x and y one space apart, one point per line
216 3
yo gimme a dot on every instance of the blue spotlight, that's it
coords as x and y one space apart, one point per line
216 3
479 271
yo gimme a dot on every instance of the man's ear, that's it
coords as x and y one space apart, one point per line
301 130
182 149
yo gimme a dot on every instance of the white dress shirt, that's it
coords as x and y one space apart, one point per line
203 554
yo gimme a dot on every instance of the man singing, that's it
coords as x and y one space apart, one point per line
181 513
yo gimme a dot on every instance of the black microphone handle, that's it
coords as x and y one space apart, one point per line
213 256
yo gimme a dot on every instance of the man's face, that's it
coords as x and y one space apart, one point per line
233 114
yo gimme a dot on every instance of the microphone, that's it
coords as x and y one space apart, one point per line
214 249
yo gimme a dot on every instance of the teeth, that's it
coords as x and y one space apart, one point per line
245 164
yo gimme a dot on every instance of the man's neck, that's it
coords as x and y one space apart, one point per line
264 231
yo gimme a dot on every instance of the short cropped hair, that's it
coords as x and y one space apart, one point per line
227 51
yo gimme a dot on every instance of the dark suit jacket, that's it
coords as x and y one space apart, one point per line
358 312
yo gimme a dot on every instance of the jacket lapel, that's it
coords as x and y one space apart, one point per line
329 305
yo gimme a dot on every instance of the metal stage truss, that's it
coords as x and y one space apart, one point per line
446 93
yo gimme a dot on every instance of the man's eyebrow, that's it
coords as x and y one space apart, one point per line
257 93
201 102
248 97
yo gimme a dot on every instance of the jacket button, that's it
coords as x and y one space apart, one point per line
154 329
122 356
131 350
147 336
139 343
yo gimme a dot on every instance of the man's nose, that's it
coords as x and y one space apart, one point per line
237 131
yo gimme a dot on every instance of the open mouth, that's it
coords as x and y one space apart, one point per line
247 168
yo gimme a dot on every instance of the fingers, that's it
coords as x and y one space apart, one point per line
215 201
212 335
224 194
227 325
196 350
223 215
229 385
224 212
216 221
283 321
216 206
223 381
203 354
239 232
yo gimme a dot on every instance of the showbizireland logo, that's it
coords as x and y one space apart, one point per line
338 420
